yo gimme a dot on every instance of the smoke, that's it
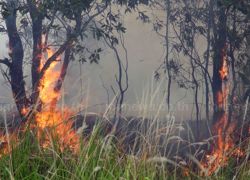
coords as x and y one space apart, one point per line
89 85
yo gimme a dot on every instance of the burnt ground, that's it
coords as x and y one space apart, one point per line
138 135
144 137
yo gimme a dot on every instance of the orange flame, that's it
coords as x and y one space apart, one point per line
24 111
46 88
224 71
5 141
50 117
50 121
222 129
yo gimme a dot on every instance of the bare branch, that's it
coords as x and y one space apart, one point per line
191 56
68 43
5 61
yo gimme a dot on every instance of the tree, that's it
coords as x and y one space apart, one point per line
214 23
73 19
186 22
223 27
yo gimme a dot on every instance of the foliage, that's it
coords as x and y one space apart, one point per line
194 24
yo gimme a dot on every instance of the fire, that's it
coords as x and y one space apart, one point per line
52 119
46 88
24 111
224 71
5 140
3 146
223 130
223 146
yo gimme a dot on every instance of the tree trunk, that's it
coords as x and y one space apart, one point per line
207 89
38 46
62 76
37 55
16 54
219 48
234 83
167 64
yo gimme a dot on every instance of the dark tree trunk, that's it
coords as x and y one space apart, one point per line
37 54
63 70
219 48
37 19
16 67
234 83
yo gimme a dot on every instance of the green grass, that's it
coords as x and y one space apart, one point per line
99 158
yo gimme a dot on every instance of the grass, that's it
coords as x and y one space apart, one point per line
98 158
103 157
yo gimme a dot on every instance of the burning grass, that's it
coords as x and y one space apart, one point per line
141 148
99 157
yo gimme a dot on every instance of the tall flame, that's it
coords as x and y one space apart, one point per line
50 117
46 88
50 121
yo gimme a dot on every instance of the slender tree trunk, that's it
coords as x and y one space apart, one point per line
167 65
207 89
63 73
63 70
231 53
196 91
37 20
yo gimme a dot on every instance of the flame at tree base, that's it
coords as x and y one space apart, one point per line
56 124
49 122
223 130
223 147
49 125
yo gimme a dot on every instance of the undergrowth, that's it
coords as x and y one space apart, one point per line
98 158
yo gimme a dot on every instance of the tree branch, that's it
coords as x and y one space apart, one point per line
191 56
68 43
5 61
53 58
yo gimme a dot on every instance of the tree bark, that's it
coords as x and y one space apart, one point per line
38 47
16 66
219 48
234 83
196 91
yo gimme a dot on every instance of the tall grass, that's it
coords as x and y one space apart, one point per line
98 158
155 152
